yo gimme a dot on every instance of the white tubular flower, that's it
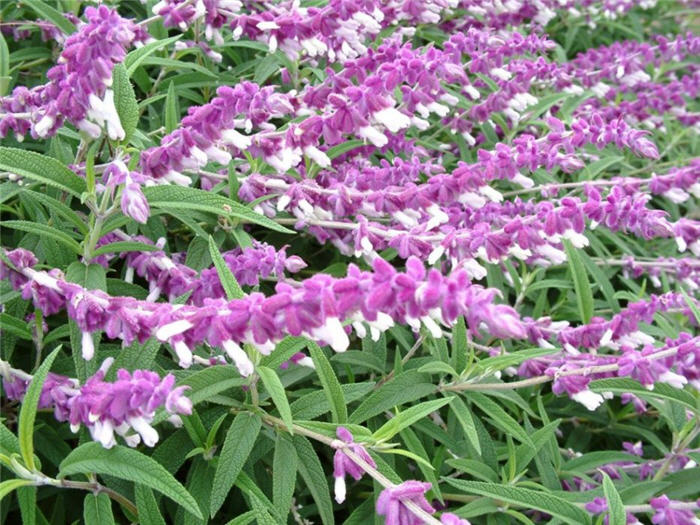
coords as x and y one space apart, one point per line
333 333
318 156
231 136
589 399
87 345
148 434
392 119
375 136
239 357
340 489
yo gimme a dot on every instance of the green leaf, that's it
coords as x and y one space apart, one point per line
605 285
267 67
500 417
584 296
172 109
459 345
134 58
177 65
684 483
315 480
228 280
524 454
404 388
570 104
616 509
543 104
500 362
594 168
9 444
358 358
417 452
129 464
135 356
124 246
437 367
125 100
330 383
174 198
146 504
27 414
97 510
409 416
316 403
213 431
693 305
527 498
466 420
9 485
42 169
250 488
240 438
45 11
596 458
211 381
423 464
42 230
12 325
262 515
284 350
284 473
59 208
344 147
26 497
4 66
274 386
473 467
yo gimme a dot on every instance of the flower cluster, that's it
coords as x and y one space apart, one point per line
488 197
124 407
393 503
315 308
170 277
79 86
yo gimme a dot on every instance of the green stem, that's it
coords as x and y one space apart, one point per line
676 450
97 488
93 238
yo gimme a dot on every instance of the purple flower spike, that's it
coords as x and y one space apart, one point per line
125 407
391 503
666 514
343 465
79 86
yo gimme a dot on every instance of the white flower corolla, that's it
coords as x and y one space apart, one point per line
169 330
392 119
148 434
87 345
375 136
231 136
589 399
333 333
239 357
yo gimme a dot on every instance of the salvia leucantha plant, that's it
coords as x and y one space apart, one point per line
335 261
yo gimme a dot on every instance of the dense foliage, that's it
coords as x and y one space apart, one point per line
340 261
